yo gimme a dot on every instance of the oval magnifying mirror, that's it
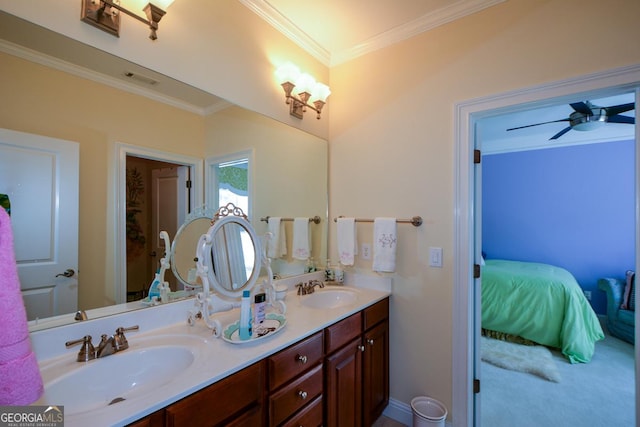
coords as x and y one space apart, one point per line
183 256
234 258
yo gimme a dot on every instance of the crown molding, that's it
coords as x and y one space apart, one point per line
422 24
265 11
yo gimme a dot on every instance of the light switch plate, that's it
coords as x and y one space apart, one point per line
435 257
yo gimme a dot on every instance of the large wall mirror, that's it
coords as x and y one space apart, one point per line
59 88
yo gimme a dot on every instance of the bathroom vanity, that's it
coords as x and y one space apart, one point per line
337 376
327 366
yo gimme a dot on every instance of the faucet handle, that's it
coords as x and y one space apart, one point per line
119 340
87 351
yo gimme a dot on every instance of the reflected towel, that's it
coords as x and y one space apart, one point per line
301 239
278 243
347 247
385 241
21 382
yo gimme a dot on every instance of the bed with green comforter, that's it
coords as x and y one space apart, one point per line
541 303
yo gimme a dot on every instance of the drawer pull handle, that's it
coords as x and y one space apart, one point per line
361 348
302 394
370 341
301 359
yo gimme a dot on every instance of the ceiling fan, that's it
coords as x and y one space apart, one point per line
587 116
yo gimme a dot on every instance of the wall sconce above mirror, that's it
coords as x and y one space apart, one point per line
290 77
105 14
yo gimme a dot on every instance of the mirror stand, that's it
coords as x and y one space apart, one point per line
229 257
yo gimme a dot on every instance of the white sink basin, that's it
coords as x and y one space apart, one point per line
122 376
329 298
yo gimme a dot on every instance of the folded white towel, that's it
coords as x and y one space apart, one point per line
277 247
301 239
385 241
347 245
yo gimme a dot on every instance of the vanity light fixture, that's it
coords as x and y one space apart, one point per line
105 14
290 77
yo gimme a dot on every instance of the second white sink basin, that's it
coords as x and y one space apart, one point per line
329 298
123 376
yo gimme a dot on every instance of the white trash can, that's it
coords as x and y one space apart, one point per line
428 412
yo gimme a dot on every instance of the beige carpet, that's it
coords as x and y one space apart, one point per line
536 360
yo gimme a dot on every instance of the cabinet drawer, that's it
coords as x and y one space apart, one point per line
212 405
376 313
294 360
309 416
294 396
342 332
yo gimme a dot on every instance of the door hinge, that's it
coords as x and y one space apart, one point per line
476 271
188 183
476 386
477 155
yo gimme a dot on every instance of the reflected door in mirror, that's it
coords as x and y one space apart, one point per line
40 177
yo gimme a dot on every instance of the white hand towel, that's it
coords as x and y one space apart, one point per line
278 243
385 241
346 231
301 242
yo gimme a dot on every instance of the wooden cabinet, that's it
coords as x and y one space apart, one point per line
296 383
336 377
357 375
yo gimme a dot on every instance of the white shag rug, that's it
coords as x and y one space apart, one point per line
536 359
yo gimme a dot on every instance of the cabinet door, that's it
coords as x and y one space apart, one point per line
343 391
376 372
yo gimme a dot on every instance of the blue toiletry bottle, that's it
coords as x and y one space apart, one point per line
154 290
245 316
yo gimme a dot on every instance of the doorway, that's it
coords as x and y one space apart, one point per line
467 237
157 199
128 239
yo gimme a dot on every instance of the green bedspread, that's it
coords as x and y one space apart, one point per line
541 303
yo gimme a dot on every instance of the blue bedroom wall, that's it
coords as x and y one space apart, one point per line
572 207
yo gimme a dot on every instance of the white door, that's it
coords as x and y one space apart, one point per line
40 177
169 204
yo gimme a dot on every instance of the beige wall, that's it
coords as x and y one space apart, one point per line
392 144
46 102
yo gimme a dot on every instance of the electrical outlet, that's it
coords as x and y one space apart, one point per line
587 294
366 251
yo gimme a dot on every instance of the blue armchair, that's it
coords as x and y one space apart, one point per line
620 323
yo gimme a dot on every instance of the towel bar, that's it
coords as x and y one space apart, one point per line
416 221
316 219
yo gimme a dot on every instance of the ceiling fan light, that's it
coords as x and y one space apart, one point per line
590 123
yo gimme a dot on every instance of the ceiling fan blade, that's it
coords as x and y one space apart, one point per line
621 119
562 132
538 124
582 107
617 109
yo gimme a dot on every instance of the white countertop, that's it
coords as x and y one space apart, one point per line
218 358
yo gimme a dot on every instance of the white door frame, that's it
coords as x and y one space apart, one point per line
467 113
120 241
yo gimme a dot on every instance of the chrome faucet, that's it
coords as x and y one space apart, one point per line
108 345
308 287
